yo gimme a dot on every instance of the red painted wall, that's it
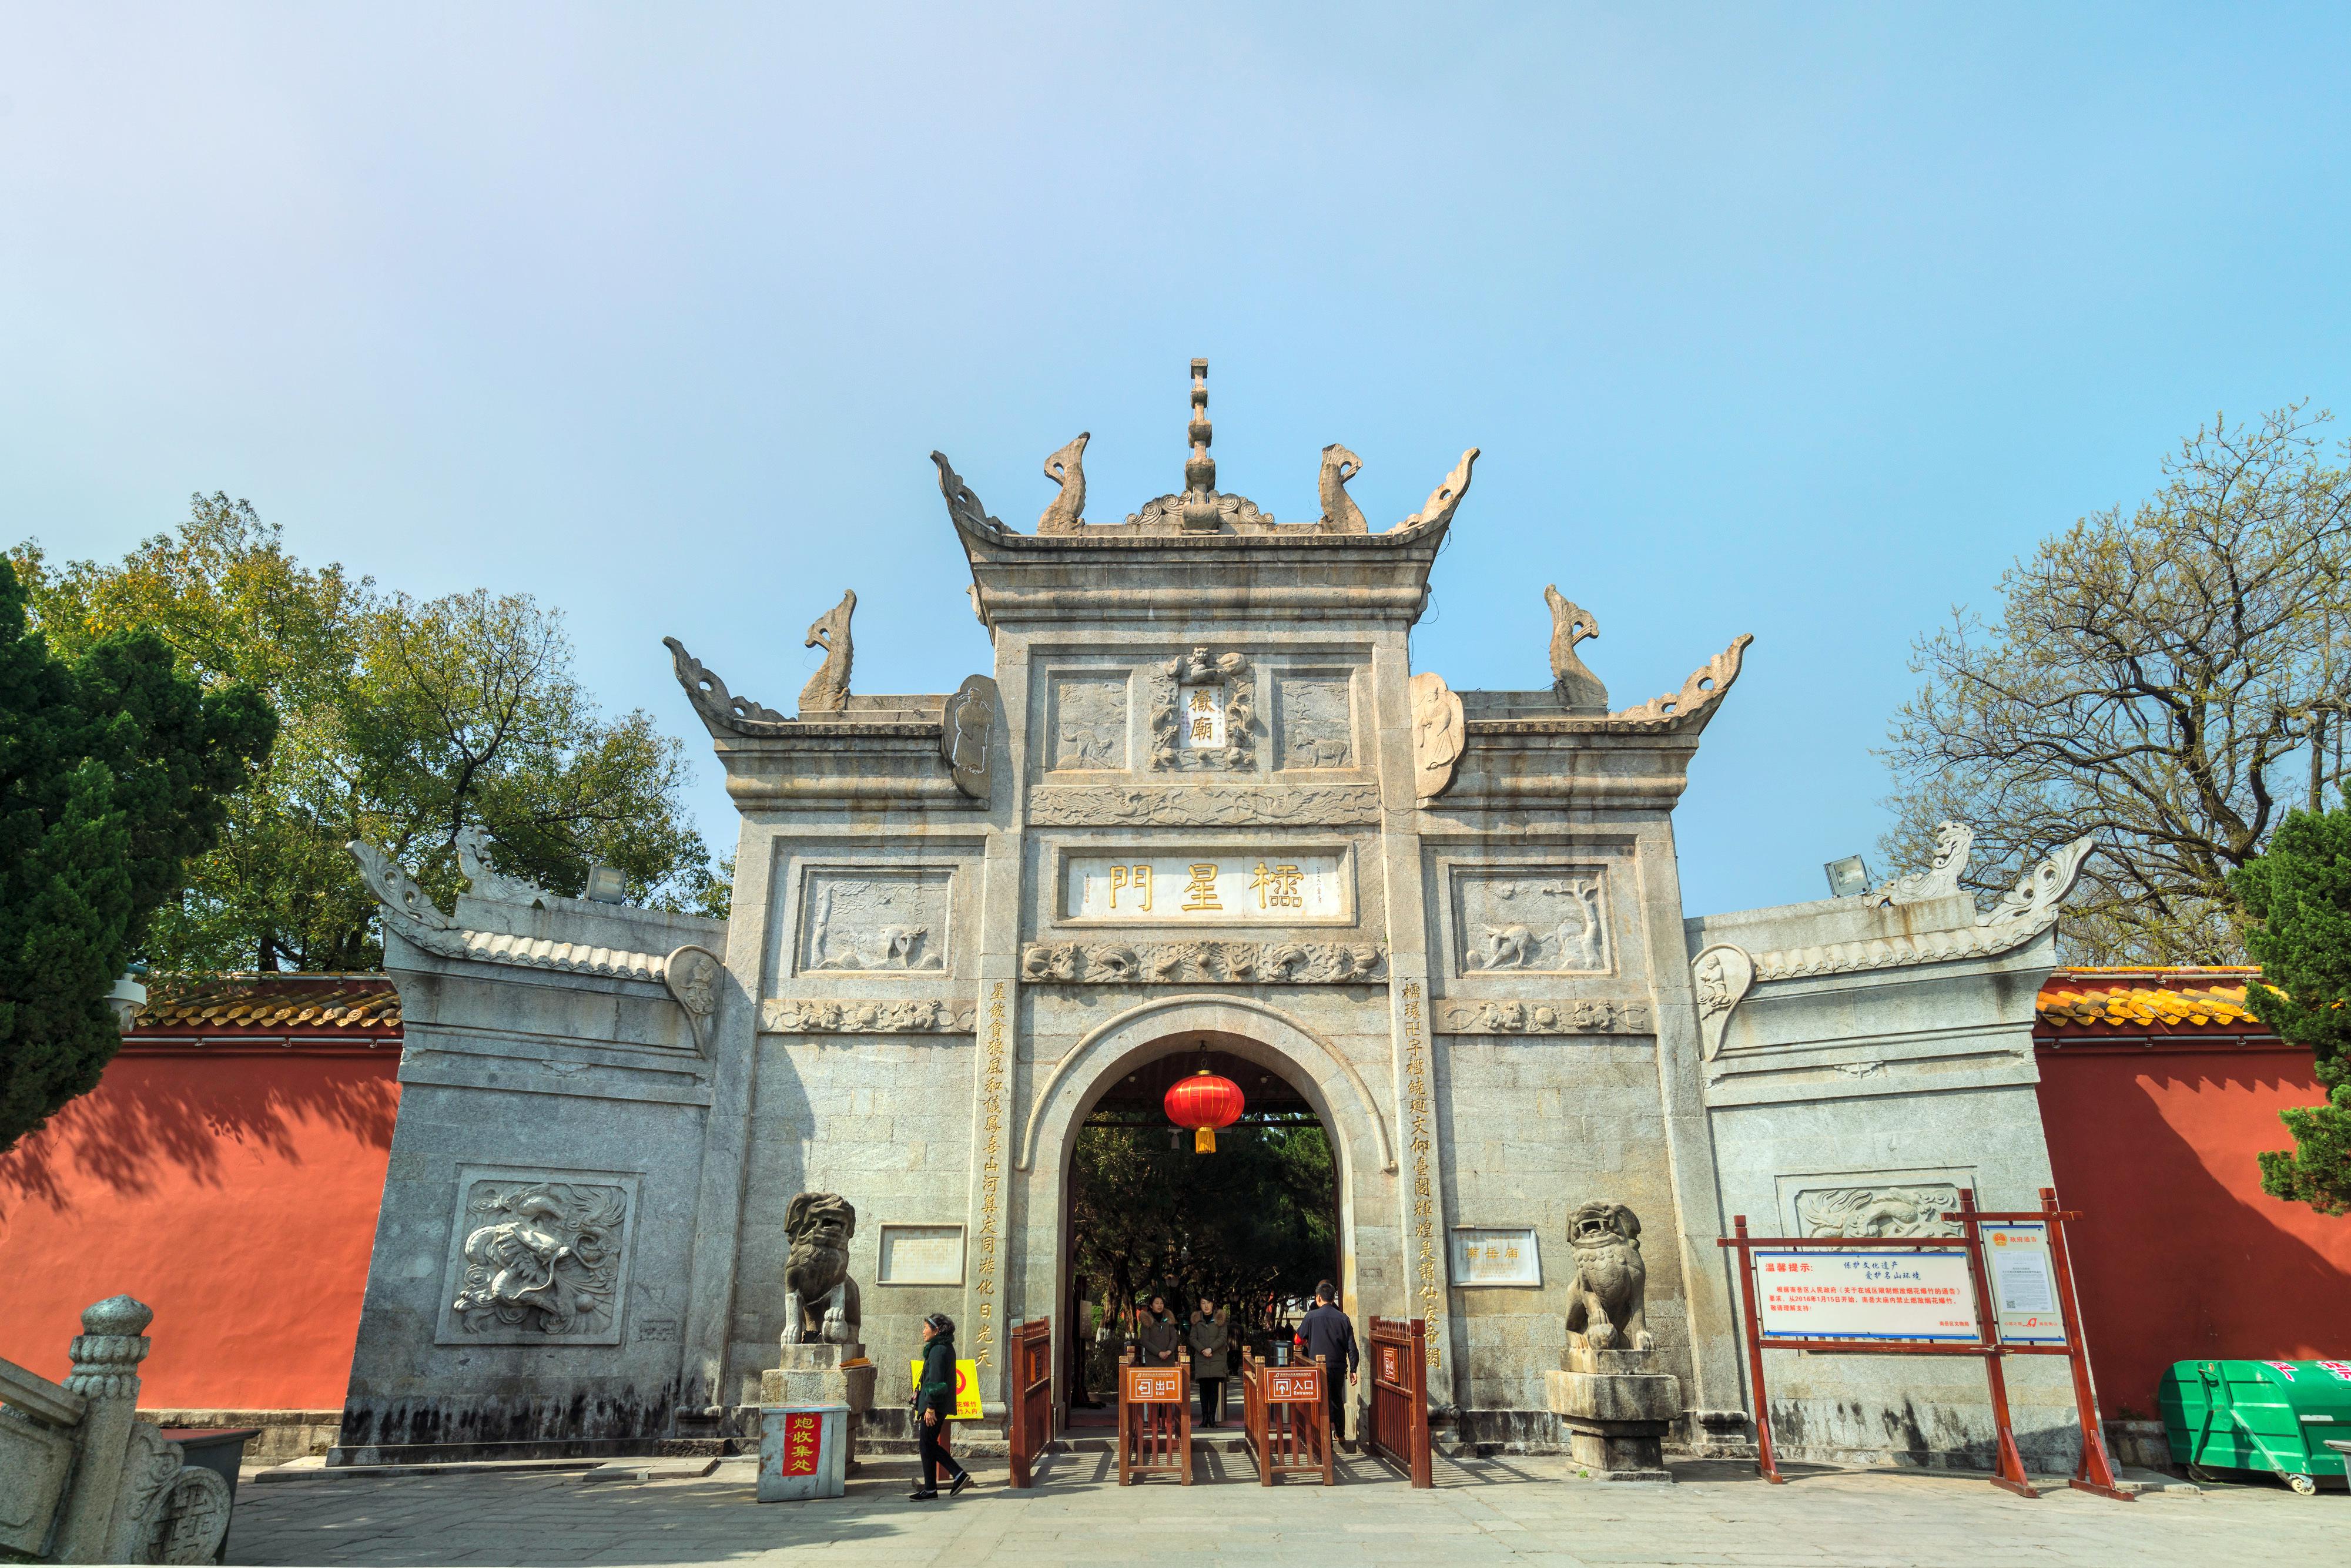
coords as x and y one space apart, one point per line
2180 1255
234 1191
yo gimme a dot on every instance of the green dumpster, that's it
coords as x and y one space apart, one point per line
2260 1415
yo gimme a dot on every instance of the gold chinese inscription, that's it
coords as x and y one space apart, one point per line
1135 880
1200 893
991 1169
1422 1143
1278 888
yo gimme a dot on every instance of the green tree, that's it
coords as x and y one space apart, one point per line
404 722
2298 898
2171 678
114 772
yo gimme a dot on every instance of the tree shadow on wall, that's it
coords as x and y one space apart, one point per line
2175 1265
141 1130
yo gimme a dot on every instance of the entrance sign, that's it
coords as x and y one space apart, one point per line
1154 1421
2023 1284
1818 1293
966 1403
1211 885
1286 1419
1906 1295
1496 1255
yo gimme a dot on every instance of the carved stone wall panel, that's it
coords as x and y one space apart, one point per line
804 1015
1541 920
1203 713
1206 806
1883 1208
1317 720
537 1257
874 919
1086 722
1206 962
1584 1015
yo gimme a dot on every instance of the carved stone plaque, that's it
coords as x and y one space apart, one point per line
1546 920
1491 1255
1317 728
922 1255
1207 888
537 1257
874 920
1088 722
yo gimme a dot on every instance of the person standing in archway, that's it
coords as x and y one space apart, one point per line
1211 1359
1160 1334
1327 1332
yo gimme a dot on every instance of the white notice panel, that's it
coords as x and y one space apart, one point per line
1496 1255
1210 887
1866 1294
2025 1282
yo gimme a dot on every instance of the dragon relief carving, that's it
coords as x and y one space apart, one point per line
473 860
1571 623
1953 841
828 690
1590 1015
1066 468
1878 1210
1442 500
1210 962
1206 806
797 1016
542 1258
1339 513
1699 693
963 506
721 712
1229 676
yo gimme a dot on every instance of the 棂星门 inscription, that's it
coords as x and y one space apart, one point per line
1208 887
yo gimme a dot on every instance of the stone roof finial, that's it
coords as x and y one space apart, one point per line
1200 513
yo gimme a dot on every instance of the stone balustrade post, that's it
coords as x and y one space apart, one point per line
106 1357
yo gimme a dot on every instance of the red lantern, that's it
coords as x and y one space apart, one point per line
1204 1102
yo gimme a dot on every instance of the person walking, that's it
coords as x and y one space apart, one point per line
1160 1334
935 1400
1212 1355
1326 1331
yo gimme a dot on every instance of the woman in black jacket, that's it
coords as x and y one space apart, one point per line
934 1400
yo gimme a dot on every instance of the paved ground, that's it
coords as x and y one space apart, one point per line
1516 1511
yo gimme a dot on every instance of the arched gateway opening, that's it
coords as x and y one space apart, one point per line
1102 1130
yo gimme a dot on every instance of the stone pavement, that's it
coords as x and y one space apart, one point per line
1503 1510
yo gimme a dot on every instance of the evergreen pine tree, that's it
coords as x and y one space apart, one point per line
2299 895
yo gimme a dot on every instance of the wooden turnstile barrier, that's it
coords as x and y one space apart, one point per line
1031 1423
1155 1422
1286 1419
1400 1396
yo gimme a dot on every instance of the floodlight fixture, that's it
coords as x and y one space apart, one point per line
1847 877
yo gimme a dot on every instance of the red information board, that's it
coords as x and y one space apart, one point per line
801 1430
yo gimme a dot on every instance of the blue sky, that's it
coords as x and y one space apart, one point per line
1801 322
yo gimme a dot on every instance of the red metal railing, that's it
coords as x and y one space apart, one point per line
1031 1423
1399 1431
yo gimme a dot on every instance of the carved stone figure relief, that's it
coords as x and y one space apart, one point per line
1536 920
1883 1210
1317 724
540 1260
1721 975
1088 719
473 860
1953 841
1184 963
1066 468
828 690
1436 735
793 1016
1588 1015
1571 623
967 735
1339 513
692 975
1203 712
874 920
1206 806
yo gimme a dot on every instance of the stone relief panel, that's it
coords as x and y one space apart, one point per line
823 1015
1203 712
1206 806
1212 962
1088 723
1549 920
1317 721
537 1257
874 920
1586 1015
1882 1209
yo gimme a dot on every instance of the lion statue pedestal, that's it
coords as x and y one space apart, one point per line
1608 1392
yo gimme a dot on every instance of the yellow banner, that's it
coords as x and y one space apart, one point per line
966 1400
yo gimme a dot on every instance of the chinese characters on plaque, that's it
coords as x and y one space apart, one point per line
1865 1295
1223 888
1200 716
1495 1255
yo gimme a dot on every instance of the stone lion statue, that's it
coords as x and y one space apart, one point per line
1605 1300
816 1275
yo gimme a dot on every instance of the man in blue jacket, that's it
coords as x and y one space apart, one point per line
1325 1332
